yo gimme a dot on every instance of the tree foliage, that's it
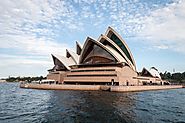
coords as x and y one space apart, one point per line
175 77
28 79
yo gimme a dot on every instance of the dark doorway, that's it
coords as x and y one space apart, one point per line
127 83
112 81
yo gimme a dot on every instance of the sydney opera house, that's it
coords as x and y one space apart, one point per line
105 61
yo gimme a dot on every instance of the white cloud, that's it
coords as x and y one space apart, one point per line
17 65
164 28
34 27
20 21
12 60
30 44
27 29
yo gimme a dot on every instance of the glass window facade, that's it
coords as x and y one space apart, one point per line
96 55
121 45
108 43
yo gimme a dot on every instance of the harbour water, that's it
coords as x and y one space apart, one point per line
50 106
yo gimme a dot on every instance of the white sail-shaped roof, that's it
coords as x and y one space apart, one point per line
112 48
109 50
121 59
107 41
145 72
114 36
73 55
154 72
65 61
78 48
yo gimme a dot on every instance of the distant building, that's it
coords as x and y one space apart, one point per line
107 61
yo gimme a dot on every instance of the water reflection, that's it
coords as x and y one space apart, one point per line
84 106
27 105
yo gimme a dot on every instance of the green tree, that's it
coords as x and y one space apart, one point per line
177 76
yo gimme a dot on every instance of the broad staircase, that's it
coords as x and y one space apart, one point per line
92 76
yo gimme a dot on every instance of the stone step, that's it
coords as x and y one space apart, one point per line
95 73
90 79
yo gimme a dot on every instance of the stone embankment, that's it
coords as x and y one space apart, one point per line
60 87
99 87
143 88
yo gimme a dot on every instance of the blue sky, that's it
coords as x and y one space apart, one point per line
33 29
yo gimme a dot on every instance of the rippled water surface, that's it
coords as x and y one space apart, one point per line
34 106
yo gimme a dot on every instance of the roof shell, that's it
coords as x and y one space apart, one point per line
115 47
73 55
78 48
111 51
154 72
112 31
65 61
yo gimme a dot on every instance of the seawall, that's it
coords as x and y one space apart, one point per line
99 87
60 87
143 88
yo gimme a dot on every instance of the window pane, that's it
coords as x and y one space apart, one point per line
121 45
